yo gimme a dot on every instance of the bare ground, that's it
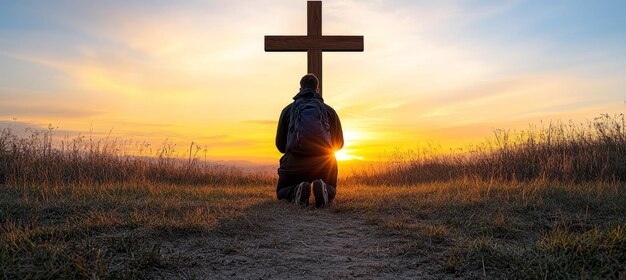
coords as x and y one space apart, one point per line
280 240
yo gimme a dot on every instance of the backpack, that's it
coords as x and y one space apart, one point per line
309 129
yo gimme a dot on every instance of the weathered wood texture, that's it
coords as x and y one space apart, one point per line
314 43
305 43
314 18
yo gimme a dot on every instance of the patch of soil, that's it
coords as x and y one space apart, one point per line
293 243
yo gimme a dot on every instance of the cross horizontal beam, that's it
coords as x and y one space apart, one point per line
307 43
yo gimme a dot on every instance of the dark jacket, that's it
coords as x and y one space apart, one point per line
297 164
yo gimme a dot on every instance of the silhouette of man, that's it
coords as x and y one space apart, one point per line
309 132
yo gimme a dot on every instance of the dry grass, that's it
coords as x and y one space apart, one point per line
527 230
82 208
543 204
594 151
37 160
115 230
462 229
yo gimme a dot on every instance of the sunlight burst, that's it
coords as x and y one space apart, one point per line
350 138
345 155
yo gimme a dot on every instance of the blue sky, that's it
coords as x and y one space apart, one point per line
432 71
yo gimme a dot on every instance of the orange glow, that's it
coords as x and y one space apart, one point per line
346 155
152 74
351 138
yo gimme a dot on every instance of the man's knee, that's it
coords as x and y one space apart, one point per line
332 191
283 194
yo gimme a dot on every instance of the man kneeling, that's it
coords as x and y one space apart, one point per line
309 132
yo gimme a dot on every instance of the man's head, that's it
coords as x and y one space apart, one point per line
309 81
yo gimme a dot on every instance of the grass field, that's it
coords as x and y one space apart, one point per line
501 230
500 211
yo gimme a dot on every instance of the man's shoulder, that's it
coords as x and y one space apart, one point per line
288 108
330 109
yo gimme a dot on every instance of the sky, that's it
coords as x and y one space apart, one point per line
444 73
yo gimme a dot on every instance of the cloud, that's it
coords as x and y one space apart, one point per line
194 70
24 129
42 109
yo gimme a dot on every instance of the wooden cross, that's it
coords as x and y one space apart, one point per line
314 43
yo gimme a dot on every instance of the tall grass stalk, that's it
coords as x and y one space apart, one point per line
37 159
593 151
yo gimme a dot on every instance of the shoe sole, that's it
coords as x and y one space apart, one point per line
321 193
303 192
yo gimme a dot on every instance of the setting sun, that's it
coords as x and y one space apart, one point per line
177 139
351 138
346 155
107 71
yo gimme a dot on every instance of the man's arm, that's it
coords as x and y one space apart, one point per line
283 128
336 133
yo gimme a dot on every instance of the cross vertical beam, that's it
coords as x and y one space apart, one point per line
314 26
314 43
314 18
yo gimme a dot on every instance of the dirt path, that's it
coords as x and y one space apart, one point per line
296 243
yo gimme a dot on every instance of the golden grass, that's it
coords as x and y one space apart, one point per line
562 152
549 205
112 230
502 230
37 160
522 230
